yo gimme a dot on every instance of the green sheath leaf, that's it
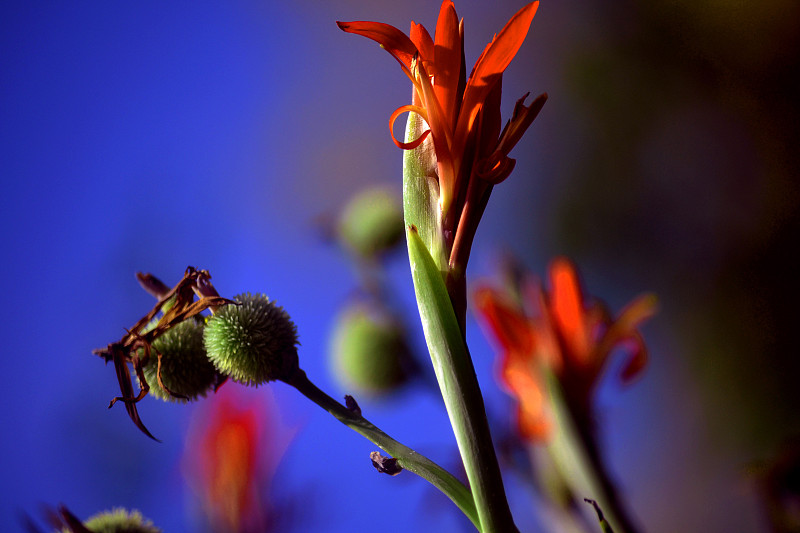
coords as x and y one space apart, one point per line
459 386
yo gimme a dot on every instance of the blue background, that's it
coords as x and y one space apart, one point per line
153 136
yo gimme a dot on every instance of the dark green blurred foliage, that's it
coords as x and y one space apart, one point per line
368 347
371 223
184 366
368 351
687 135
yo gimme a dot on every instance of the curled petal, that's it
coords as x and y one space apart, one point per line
624 330
495 169
408 109
636 359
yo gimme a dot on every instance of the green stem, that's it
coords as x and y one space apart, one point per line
580 467
406 457
460 389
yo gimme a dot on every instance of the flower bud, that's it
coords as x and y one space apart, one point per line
368 351
371 223
119 521
252 342
185 368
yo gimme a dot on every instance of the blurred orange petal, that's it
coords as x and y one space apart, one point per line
510 328
531 413
566 304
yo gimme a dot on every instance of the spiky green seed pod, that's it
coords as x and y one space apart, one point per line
119 521
185 368
372 223
253 342
369 353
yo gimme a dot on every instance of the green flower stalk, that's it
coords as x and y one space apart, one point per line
455 153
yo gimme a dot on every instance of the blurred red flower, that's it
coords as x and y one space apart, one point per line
231 458
560 332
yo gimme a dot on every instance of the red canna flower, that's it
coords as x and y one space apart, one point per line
230 461
462 116
559 332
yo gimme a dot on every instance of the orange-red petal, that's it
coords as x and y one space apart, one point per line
447 61
442 134
422 40
490 66
522 117
390 38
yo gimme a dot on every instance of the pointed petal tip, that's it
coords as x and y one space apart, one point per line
642 308
390 38
562 264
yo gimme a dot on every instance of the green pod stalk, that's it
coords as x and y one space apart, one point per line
406 457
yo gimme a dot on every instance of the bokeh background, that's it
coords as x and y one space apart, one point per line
152 136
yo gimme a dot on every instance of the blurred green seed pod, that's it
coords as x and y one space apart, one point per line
253 342
368 351
371 223
118 521
185 368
